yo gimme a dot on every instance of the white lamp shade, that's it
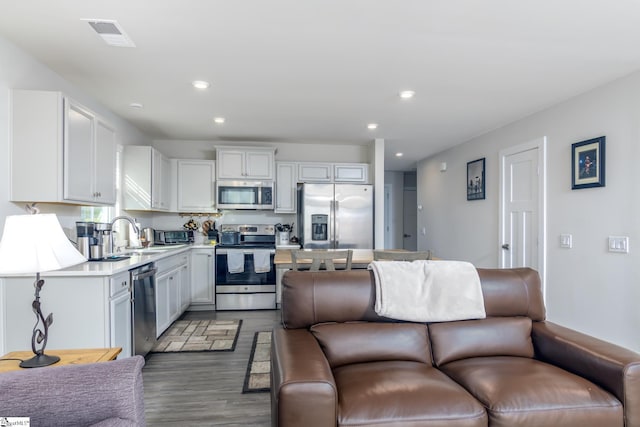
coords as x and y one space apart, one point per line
34 244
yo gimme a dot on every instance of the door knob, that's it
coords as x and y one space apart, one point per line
506 247
406 235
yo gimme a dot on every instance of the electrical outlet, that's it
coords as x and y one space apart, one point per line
566 241
619 244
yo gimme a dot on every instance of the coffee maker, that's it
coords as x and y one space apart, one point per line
84 231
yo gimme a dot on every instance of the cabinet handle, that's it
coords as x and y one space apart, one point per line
123 284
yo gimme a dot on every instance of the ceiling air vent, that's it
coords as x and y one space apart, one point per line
111 32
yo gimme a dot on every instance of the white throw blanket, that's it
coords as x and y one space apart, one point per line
262 260
235 261
428 291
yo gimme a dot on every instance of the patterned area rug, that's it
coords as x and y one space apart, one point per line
258 376
199 335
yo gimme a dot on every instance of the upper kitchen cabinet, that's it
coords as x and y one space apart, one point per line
245 162
196 185
351 172
286 187
146 179
315 172
333 172
61 152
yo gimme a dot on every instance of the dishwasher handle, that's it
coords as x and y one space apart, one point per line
139 276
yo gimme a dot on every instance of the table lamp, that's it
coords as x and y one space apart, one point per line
35 244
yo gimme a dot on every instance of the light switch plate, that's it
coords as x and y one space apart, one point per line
619 244
566 241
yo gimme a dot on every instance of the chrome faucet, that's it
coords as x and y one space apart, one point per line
128 218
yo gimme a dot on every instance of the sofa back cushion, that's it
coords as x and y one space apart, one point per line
360 342
496 336
309 298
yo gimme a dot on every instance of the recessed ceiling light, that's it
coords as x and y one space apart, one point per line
218 120
372 126
399 154
200 84
136 105
407 94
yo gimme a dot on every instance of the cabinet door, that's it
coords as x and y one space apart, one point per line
230 164
286 183
196 179
259 165
174 295
160 175
78 154
121 334
202 276
105 170
162 303
314 172
355 172
185 288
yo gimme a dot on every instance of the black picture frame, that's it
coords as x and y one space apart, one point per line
475 179
588 163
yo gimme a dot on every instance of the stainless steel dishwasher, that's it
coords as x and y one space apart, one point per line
143 281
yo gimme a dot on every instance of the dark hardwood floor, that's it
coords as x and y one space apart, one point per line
205 388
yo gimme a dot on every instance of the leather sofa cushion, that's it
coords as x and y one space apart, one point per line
402 393
358 342
520 391
504 336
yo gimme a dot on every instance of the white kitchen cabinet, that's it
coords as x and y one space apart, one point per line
315 172
120 314
245 163
286 187
67 147
185 287
203 277
168 290
146 179
333 172
84 314
196 185
351 172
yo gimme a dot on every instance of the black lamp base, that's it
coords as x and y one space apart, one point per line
39 360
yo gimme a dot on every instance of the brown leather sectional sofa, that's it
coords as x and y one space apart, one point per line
336 362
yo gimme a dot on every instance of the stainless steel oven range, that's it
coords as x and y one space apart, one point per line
245 273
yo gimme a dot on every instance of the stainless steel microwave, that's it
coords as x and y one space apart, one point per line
244 194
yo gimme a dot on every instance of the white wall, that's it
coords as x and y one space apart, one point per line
21 71
588 288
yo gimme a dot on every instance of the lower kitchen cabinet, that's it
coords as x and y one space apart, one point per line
85 315
169 292
120 320
203 278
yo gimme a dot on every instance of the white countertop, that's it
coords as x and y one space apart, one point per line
109 268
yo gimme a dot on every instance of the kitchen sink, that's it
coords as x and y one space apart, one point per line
151 250
112 258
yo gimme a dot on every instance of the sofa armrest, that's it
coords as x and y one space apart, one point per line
614 368
107 392
303 390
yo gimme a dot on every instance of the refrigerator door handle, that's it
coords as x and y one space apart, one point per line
336 227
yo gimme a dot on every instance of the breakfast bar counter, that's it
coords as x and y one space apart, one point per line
361 258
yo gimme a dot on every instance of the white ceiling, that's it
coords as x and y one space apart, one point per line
320 70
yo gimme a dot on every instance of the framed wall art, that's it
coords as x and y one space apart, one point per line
475 180
588 163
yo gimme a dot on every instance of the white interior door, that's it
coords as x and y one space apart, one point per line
522 207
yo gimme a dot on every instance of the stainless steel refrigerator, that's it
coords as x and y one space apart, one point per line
335 216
